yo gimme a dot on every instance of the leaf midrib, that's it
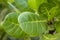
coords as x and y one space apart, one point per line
35 21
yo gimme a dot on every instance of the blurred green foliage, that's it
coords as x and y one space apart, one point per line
40 17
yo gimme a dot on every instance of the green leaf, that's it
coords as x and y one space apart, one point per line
57 26
22 5
58 14
34 4
11 25
57 2
48 10
57 20
49 37
53 12
32 24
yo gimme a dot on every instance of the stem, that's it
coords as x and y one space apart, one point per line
36 12
14 8
2 36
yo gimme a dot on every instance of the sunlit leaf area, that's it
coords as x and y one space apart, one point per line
29 19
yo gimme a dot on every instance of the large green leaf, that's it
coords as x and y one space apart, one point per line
32 24
11 25
34 4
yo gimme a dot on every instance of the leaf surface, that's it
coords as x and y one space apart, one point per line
32 24
11 25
